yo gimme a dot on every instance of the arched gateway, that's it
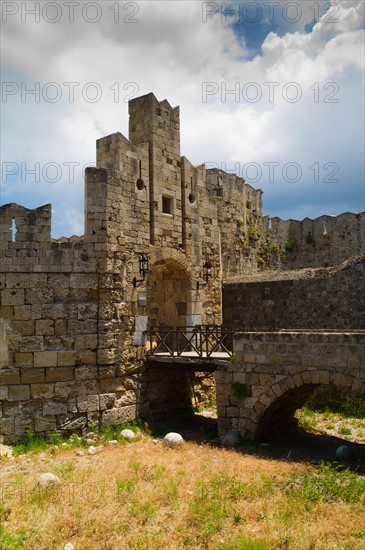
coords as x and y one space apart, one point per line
161 235
172 295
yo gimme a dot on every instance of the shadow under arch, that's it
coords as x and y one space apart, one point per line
273 413
278 418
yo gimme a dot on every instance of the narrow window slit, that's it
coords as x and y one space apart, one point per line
13 231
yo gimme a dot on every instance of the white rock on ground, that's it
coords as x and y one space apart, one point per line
113 442
91 450
45 480
128 434
173 439
68 546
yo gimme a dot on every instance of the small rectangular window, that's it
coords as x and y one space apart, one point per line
167 205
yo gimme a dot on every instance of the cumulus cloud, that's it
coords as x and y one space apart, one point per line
171 51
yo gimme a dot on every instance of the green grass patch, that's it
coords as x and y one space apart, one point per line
64 470
333 400
124 488
327 484
31 443
213 503
112 431
309 239
345 431
143 511
244 543
12 541
170 492
289 245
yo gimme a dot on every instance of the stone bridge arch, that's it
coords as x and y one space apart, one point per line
275 408
275 372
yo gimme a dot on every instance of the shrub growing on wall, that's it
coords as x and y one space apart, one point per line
309 238
289 245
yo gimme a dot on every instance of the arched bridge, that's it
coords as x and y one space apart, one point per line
262 378
273 373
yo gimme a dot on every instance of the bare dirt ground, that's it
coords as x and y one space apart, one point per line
145 496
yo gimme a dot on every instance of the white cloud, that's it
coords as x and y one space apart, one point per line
73 218
171 52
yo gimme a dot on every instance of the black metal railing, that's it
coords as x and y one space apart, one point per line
198 340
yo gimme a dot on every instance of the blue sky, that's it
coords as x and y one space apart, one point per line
272 90
253 21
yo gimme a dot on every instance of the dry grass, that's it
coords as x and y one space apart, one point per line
329 423
145 496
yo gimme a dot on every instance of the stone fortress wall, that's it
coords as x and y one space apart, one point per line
319 242
73 325
320 298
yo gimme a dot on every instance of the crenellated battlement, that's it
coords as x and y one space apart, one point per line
19 224
27 246
317 242
161 235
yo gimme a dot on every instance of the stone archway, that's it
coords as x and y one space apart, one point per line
171 292
274 410
172 301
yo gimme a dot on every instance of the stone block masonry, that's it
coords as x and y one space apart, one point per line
319 242
332 298
273 373
73 323
49 373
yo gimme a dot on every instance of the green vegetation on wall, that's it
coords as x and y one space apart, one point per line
309 239
240 390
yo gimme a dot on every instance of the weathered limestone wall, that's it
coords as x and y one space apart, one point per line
272 375
29 248
319 298
159 124
319 242
166 392
59 320
239 216
72 323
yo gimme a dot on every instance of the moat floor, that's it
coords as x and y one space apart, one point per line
299 445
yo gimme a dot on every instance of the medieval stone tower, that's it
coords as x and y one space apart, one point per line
75 312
